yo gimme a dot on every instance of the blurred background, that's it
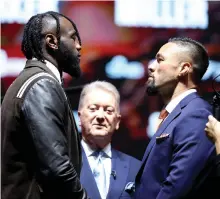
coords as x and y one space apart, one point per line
119 39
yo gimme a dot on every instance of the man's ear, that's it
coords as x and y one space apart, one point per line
118 122
51 41
186 68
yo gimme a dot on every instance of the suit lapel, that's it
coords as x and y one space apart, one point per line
175 113
87 179
163 126
121 167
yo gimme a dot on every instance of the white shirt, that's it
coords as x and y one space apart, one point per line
106 160
53 69
173 103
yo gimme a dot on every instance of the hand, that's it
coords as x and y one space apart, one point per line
212 129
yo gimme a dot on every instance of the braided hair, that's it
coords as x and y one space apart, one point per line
32 38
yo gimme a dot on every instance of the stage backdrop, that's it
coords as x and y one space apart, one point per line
119 40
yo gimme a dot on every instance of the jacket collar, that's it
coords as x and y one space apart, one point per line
41 65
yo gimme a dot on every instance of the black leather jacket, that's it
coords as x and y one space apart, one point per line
40 144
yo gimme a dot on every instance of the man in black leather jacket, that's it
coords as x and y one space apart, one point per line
40 147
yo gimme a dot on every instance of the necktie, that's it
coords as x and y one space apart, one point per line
99 174
163 114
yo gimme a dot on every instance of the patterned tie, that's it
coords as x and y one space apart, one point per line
99 173
163 114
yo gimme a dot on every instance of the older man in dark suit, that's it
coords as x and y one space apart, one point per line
106 173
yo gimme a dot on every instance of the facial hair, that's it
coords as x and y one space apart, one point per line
70 61
151 89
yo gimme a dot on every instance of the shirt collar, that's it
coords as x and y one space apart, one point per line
53 69
89 151
173 103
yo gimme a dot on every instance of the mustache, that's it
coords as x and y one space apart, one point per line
150 74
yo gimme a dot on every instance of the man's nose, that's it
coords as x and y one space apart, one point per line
152 66
78 46
100 116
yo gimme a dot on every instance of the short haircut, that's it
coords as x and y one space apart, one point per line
198 54
103 85
32 38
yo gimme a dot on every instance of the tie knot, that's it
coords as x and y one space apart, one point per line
163 114
98 153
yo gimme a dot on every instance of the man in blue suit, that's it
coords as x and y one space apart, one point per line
106 172
178 160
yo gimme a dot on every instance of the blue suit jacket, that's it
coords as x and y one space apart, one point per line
126 168
178 158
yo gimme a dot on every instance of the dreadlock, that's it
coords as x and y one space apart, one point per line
32 38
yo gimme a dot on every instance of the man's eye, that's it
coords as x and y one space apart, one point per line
110 111
92 108
159 60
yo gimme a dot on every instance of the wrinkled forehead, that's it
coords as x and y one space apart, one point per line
100 96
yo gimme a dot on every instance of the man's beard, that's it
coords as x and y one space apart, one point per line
69 62
151 89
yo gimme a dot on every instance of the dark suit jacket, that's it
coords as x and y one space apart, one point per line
179 158
40 148
125 167
218 165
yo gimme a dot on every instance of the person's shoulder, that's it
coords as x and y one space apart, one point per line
198 103
200 98
48 80
44 85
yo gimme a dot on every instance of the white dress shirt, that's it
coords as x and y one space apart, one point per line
173 103
106 160
53 69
